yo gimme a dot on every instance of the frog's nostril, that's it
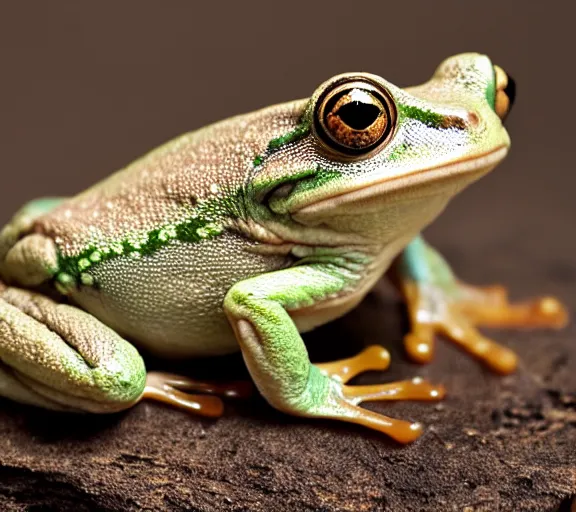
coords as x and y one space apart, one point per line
510 91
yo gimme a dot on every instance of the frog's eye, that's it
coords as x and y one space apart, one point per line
505 93
355 117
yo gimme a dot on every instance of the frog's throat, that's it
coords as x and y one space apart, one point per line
465 170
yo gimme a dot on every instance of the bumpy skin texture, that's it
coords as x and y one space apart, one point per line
60 357
245 233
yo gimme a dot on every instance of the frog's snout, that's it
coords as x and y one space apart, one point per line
505 93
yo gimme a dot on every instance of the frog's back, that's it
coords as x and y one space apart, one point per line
153 249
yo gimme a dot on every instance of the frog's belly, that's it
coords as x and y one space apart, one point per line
170 303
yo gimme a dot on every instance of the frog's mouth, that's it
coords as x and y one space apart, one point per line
447 179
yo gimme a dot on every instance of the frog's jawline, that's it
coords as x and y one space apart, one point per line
473 167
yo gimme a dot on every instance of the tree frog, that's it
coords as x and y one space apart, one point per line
246 233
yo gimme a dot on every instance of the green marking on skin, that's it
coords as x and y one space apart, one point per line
86 279
96 256
64 278
316 179
305 180
427 117
296 134
302 129
84 263
64 282
398 151
204 223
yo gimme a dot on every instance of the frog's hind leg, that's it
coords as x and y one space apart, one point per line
14 389
59 357
439 303
171 389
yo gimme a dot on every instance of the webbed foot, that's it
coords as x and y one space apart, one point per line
439 303
347 398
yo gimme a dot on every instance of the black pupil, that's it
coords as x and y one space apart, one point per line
358 115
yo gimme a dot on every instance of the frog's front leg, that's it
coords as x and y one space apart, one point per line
59 357
260 311
439 303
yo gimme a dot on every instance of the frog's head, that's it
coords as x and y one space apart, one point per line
371 158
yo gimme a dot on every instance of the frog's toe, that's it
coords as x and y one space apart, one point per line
373 357
400 430
163 388
419 343
497 357
440 303
548 312
172 389
490 307
414 389
457 310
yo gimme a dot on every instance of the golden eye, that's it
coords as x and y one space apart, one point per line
505 93
354 117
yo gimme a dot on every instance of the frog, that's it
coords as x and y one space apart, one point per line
245 234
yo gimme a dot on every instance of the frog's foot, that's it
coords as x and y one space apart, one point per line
455 312
171 389
347 398
439 303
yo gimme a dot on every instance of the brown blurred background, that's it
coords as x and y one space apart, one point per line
85 87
